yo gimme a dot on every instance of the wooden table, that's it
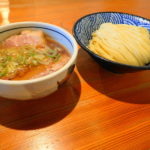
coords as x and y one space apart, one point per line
95 109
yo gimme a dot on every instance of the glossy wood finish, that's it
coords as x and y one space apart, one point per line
95 109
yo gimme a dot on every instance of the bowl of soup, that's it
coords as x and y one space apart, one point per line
35 58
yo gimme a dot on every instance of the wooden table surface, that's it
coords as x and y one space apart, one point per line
95 109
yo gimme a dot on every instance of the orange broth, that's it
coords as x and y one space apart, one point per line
42 70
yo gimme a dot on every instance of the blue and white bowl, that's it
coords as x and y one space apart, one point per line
84 27
42 86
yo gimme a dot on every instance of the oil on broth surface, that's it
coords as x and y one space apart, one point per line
29 55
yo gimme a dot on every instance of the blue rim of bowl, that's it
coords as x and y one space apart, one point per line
39 28
146 67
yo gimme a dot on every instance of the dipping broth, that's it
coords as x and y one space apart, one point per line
30 54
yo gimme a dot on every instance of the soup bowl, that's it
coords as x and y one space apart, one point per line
84 27
45 85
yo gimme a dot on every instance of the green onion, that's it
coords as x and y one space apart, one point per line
13 59
3 73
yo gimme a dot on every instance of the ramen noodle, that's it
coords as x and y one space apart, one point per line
122 43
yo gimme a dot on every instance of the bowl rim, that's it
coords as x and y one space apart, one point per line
102 58
52 75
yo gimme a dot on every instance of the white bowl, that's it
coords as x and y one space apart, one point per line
42 86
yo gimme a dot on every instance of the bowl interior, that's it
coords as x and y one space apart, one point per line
87 24
56 33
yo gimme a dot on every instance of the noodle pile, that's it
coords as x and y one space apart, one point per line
122 43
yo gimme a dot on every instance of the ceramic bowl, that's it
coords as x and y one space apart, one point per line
42 86
84 27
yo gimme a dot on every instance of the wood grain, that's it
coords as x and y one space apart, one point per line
95 109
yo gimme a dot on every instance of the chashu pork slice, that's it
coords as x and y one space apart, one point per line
27 37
